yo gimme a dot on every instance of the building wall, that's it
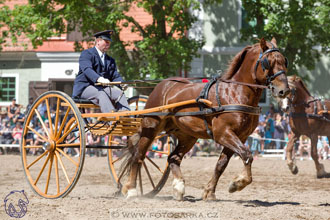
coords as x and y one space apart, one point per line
319 78
58 65
24 74
221 25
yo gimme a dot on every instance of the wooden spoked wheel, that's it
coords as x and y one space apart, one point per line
53 145
154 171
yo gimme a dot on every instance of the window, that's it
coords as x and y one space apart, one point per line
8 87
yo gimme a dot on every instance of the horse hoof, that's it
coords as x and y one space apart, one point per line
209 196
323 175
232 187
178 196
131 193
178 189
321 172
294 170
124 190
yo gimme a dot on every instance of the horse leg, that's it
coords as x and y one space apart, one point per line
290 161
320 172
138 147
230 140
209 190
185 143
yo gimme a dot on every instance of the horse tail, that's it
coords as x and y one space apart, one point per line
129 155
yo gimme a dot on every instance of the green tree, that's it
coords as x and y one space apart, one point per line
301 27
163 50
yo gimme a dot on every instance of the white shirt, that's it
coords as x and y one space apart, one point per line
102 55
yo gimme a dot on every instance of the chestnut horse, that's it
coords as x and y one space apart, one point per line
308 116
250 70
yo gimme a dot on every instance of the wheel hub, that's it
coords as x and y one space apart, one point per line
50 146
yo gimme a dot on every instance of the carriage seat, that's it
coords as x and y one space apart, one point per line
84 103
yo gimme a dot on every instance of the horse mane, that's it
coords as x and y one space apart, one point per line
302 84
236 63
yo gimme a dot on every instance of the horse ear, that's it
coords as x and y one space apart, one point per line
294 77
263 44
274 41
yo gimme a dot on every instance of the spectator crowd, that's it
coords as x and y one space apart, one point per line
11 129
272 132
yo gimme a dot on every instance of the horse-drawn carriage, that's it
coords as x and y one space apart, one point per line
225 109
63 127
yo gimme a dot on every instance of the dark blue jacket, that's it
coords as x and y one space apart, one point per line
91 68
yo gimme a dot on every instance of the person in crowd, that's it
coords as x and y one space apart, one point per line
261 127
279 131
17 133
99 152
151 153
90 142
7 136
95 66
2 137
304 146
37 140
13 112
271 111
269 131
29 105
30 140
157 146
195 149
255 145
323 147
42 109
72 138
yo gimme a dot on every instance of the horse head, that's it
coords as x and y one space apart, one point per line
271 68
298 94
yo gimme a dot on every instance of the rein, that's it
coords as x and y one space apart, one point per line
244 84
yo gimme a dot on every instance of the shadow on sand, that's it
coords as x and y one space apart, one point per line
248 203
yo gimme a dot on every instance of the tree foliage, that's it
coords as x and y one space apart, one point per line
162 51
301 28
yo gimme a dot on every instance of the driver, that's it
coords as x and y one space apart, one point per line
95 66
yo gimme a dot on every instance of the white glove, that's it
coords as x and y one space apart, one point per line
123 87
103 80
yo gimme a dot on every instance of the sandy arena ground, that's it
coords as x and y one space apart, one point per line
274 193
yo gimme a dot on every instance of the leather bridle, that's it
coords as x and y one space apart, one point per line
265 65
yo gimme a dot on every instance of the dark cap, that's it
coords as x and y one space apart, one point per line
14 99
105 35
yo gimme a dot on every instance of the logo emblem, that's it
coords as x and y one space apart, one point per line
16 204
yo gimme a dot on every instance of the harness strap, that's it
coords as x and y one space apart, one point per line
210 111
271 78
315 108
217 93
204 95
307 115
